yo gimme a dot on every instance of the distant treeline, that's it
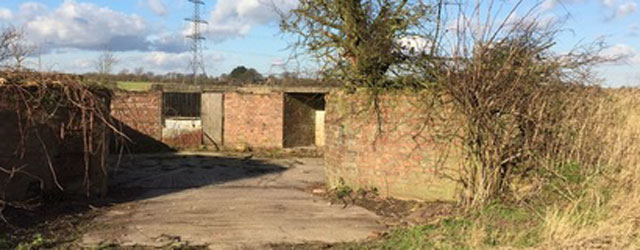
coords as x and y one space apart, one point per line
238 76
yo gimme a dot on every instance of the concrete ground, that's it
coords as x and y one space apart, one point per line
225 203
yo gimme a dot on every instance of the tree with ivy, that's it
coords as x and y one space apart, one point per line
360 42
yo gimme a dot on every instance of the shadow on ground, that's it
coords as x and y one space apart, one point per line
136 177
132 178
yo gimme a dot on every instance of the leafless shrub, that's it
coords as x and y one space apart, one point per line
522 104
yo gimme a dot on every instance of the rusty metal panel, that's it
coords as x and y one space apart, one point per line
212 118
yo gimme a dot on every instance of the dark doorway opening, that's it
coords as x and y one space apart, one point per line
185 105
303 119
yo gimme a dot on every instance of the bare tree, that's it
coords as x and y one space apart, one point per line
139 72
8 34
13 45
105 62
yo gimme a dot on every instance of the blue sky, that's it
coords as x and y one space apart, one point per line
150 33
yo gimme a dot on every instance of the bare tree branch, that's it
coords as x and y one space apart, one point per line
13 45
105 63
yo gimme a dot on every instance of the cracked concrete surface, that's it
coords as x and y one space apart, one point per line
226 203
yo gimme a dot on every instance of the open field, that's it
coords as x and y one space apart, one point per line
134 86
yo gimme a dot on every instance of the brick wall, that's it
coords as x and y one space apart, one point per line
253 119
140 116
141 111
403 159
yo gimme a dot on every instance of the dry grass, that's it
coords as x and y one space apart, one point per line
538 136
591 201
608 214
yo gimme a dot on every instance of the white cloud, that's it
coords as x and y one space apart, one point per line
414 44
172 62
84 64
164 59
29 10
5 14
157 62
81 25
233 18
158 7
550 4
609 3
86 26
168 42
626 9
624 53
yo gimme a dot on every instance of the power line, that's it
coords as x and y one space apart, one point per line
197 60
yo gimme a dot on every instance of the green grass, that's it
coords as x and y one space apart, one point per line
496 225
509 225
135 86
37 242
450 233
5 242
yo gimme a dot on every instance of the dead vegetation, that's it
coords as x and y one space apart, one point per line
64 106
526 111
539 136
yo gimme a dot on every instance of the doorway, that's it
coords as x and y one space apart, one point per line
303 119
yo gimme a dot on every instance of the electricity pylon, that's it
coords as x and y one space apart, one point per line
197 60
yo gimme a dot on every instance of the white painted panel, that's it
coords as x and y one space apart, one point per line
175 127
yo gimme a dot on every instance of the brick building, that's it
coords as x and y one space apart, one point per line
394 150
188 116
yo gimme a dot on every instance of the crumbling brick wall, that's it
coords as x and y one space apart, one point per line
393 150
254 119
139 114
141 111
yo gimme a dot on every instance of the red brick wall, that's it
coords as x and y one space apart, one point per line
402 159
139 115
141 111
253 119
